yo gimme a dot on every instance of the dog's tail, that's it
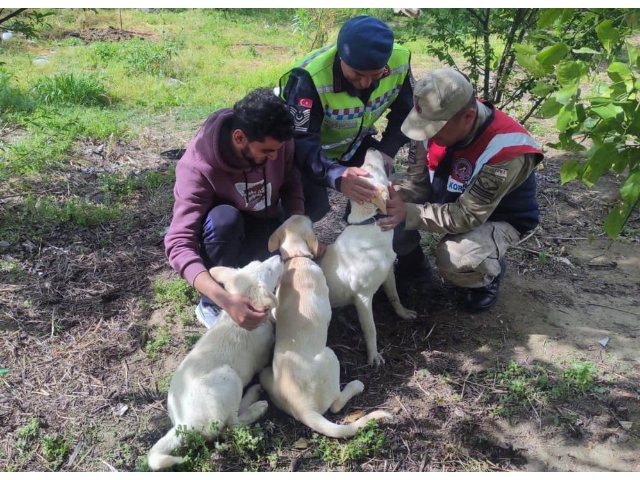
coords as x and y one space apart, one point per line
159 456
320 424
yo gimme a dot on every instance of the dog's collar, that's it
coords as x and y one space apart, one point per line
370 220
285 260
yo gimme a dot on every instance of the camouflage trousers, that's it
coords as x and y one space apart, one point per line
467 260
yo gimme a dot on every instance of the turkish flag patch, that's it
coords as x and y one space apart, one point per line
305 102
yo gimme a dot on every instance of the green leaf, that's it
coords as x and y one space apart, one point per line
553 54
608 35
634 126
630 189
607 111
580 113
532 65
620 72
569 171
564 117
600 161
4 371
632 53
548 17
614 221
524 49
571 72
626 158
542 89
550 108
567 14
586 50
565 94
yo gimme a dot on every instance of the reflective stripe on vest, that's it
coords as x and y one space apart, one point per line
347 121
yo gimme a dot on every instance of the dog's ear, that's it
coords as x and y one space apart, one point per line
312 242
275 240
380 200
222 274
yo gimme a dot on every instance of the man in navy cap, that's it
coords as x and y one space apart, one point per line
336 94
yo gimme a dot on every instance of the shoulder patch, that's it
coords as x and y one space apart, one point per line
486 185
301 118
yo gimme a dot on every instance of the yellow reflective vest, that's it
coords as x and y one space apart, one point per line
347 121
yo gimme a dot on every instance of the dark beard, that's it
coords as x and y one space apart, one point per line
249 159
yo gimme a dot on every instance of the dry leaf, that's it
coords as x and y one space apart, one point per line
353 416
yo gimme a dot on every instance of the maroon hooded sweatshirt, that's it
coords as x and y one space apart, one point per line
204 180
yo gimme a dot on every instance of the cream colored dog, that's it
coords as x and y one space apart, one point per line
206 390
361 259
304 379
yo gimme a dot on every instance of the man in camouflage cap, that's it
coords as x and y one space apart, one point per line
476 186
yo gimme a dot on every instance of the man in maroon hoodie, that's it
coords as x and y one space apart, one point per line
235 184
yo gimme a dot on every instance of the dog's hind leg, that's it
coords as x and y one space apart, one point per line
365 315
250 397
250 408
350 390
392 294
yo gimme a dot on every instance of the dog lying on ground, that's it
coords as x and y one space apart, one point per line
206 390
361 259
304 379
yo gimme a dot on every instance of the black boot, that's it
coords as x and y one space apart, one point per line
483 298
413 270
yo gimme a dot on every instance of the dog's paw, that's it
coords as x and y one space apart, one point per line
376 359
260 407
407 314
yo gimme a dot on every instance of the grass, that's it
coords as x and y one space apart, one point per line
538 387
367 442
255 446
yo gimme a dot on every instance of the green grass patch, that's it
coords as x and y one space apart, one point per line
72 89
28 433
174 291
160 339
12 97
55 449
366 443
249 446
538 387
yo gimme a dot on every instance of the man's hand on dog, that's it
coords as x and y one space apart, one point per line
396 211
245 313
355 187
322 249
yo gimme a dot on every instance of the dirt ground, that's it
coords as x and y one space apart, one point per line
74 322
77 312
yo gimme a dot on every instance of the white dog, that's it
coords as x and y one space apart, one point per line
206 390
361 259
304 380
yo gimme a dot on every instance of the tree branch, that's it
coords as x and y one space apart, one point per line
12 14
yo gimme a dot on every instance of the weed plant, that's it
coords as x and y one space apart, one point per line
538 386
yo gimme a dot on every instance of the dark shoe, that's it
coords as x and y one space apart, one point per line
484 298
413 270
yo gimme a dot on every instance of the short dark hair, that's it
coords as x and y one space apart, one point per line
260 114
